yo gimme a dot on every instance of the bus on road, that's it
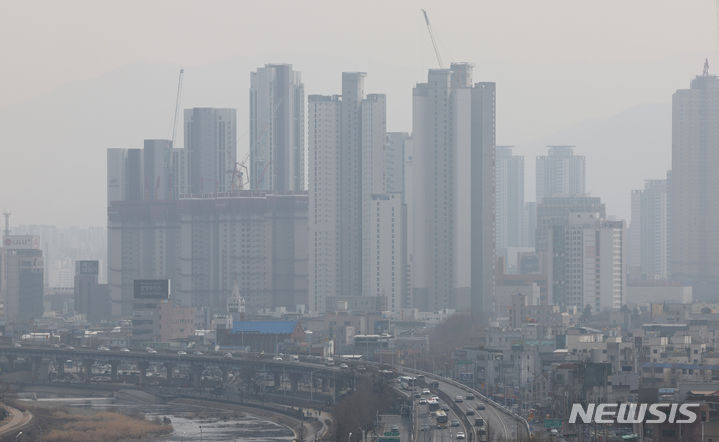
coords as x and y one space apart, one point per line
441 418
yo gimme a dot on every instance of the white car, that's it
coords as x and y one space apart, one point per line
228 355
277 358
458 398
425 392
460 435
150 350
103 348
343 365
125 349
181 353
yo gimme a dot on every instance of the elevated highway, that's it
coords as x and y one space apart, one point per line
319 377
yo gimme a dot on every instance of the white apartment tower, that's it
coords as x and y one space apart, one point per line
356 222
451 247
277 129
560 173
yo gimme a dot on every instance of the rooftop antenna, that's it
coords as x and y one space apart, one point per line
7 222
705 72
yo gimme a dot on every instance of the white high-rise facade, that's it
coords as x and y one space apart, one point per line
356 220
277 129
451 242
560 173
324 195
510 199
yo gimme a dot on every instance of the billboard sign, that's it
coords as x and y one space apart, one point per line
21 242
152 288
87 267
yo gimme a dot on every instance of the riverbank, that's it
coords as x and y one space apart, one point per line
55 424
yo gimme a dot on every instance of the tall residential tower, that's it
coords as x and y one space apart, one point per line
277 129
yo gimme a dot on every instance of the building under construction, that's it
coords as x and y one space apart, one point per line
248 241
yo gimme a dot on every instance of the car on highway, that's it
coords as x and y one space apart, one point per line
469 397
125 350
101 348
454 423
343 365
181 353
423 401
277 358
444 407
150 350
227 355
425 392
424 427
394 428
481 406
478 422
417 395
460 435
458 398
470 412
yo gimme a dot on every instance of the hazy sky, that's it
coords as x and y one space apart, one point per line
557 63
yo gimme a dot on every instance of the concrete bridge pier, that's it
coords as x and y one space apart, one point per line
196 375
113 370
169 370
60 366
87 370
294 381
142 366
40 368
278 379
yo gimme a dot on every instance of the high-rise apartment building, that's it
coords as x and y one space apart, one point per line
510 199
21 281
451 247
553 211
649 231
587 264
560 173
350 202
277 129
694 200
157 170
211 149
249 243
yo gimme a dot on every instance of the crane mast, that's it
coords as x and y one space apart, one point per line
177 106
431 36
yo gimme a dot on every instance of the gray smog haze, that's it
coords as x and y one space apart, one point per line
81 76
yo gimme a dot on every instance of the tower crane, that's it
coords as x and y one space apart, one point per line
177 106
431 36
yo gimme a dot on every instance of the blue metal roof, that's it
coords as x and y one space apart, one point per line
266 327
